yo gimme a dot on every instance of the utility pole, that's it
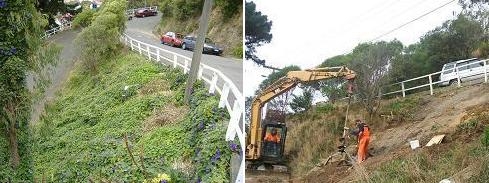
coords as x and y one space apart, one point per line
199 46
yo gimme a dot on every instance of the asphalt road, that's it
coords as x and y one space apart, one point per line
142 30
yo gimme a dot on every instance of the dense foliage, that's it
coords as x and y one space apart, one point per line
184 9
83 135
22 52
84 19
303 102
106 27
257 32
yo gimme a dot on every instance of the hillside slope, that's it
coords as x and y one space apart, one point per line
462 114
96 131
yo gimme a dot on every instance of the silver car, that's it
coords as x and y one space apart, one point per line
467 70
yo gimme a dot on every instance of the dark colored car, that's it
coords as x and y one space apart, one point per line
145 13
209 47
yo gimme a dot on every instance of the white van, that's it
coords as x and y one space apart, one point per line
468 69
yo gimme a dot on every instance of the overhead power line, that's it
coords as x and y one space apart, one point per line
417 18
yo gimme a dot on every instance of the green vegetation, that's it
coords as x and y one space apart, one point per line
303 102
402 106
184 9
106 27
433 165
83 19
83 134
21 52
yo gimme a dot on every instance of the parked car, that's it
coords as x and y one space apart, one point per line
172 39
209 46
145 13
468 70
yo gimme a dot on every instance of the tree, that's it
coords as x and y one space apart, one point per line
370 62
302 102
333 88
454 40
257 32
21 52
279 103
106 27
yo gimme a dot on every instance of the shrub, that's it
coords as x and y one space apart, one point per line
100 40
83 19
485 138
238 51
229 8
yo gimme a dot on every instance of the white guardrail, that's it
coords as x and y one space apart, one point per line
55 30
231 97
430 82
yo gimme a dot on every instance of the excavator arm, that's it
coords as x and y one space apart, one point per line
284 84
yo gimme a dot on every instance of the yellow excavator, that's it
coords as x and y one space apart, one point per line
258 151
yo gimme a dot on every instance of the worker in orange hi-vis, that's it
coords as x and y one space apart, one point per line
363 136
272 141
272 137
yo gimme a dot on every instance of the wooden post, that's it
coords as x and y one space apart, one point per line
147 50
213 84
402 88
199 45
139 47
158 55
175 61
485 71
431 84
224 95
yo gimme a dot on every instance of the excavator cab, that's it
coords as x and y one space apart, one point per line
273 143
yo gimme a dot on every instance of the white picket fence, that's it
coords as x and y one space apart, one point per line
53 31
230 96
429 78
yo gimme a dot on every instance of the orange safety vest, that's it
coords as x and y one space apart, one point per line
272 138
365 132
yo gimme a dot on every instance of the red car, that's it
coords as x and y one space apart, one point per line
172 39
145 13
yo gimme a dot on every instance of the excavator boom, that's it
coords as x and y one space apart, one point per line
282 85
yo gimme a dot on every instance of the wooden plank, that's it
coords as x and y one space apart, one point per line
435 140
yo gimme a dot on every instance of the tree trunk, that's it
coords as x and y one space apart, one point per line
13 146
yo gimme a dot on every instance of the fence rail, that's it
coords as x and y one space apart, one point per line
430 77
231 98
55 30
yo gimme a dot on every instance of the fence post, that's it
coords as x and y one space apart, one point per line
185 67
199 75
158 55
431 84
132 44
224 95
485 71
147 50
213 84
402 88
139 47
174 61
458 77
